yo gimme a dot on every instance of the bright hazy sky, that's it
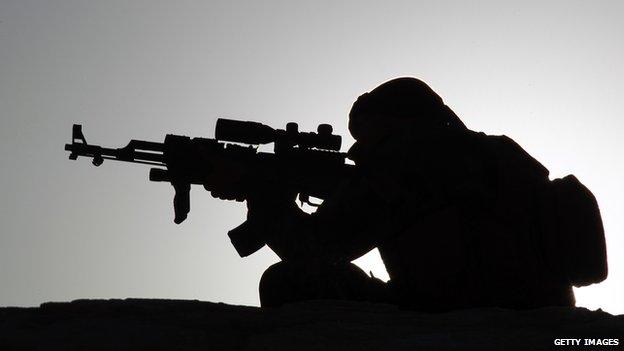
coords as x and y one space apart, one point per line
547 74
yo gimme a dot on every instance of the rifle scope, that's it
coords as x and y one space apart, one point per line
257 133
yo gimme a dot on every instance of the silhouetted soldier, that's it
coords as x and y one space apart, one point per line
461 219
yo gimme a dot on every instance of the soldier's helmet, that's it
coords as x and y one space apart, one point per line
406 98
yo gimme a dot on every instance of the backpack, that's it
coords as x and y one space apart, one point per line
573 239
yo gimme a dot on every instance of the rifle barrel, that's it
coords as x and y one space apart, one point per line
127 154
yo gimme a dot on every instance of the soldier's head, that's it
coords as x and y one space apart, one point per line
395 105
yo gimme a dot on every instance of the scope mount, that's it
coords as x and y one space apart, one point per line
255 133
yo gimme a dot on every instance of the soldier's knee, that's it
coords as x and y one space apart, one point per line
273 287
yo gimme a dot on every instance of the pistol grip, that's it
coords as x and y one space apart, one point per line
181 201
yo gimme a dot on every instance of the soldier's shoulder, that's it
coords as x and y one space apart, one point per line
504 145
508 152
494 139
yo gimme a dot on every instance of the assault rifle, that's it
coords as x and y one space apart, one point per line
308 163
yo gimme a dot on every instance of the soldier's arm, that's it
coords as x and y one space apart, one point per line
346 226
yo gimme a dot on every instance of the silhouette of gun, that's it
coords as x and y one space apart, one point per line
307 162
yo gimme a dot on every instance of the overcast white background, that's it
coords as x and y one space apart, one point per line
547 74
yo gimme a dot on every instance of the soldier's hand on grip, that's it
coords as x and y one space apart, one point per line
226 181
